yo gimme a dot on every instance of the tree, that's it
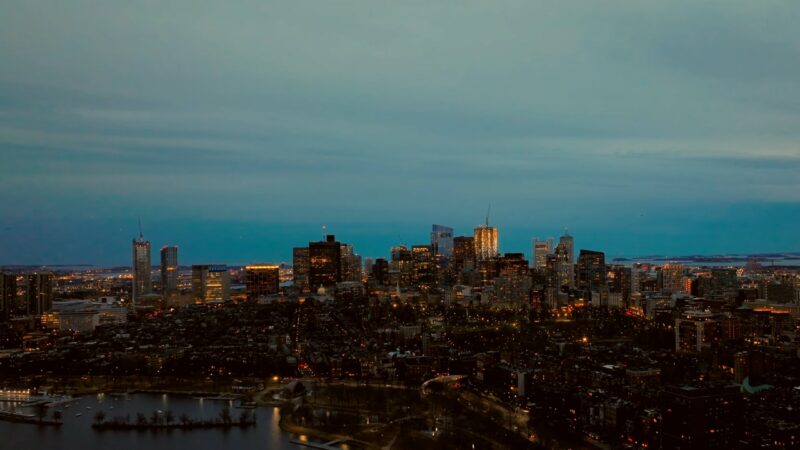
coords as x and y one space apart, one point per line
184 418
41 412
244 416
99 417
141 419
169 417
57 415
155 419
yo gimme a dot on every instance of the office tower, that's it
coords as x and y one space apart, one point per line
211 283
565 270
351 264
402 263
591 270
486 246
368 263
39 293
670 278
141 268
540 251
512 286
380 271
325 262
702 417
300 268
619 281
637 276
423 266
463 253
261 280
442 243
567 246
8 295
169 272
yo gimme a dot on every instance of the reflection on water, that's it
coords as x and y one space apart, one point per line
78 417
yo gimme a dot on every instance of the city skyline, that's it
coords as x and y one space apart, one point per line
205 124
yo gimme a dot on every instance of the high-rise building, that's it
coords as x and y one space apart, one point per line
300 268
39 293
423 266
463 253
211 283
591 270
325 262
540 251
567 245
380 271
169 272
670 278
486 242
442 243
402 264
8 295
261 280
351 264
141 268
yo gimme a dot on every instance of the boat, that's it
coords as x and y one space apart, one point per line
78 415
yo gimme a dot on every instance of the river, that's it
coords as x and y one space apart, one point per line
77 433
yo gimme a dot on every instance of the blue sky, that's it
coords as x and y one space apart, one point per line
236 129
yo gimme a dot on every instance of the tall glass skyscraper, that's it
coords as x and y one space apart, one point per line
486 245
142 283
540 251
169 272
442 242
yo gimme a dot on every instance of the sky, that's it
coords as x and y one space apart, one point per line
237 129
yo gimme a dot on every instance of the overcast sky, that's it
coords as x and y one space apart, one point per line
236 129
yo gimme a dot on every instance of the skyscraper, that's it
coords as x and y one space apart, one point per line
540 251
8 294
141 268
325 262
567 244
442 243
463 253
39 293
486 245
169 272
211 283
300 268
261 280
591 270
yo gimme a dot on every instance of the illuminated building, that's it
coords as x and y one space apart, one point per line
700 417
695 331
671 278
380 271
591 270
540 251
300 268
8 295
351 264
463 253
39 293
485 239
325 262
211 283
261 280
567 247
169 272
423 273
403 264
141 268
442 243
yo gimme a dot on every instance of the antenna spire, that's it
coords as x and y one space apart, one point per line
488 211
141 236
